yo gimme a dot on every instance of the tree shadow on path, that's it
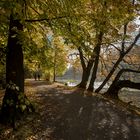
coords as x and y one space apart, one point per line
89 118
68 114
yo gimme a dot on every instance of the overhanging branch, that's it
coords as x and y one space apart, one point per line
57 17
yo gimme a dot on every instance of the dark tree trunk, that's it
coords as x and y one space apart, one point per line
95 68
85 77
54 65
86 69
114 89
14 101
109 75
54 71
118 84
14 58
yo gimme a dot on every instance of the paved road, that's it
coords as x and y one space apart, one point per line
80 117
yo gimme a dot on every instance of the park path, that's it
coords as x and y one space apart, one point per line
70 115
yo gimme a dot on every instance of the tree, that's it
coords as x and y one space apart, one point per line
122 55
17 13
118 84
14 101
95 68
59 60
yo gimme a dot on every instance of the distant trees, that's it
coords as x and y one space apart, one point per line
50 55
56 58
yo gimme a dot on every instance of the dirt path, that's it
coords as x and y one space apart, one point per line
64 114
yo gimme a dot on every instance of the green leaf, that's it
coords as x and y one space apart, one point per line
23 107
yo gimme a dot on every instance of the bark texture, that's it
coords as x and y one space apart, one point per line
97 55
14 102
114 90
119 84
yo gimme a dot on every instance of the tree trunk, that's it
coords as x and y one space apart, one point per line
114 89
54 72
95 68
14 101
86 74
116 84
14 58
86 69
109 75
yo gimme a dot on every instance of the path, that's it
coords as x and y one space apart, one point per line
88 118
68 115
